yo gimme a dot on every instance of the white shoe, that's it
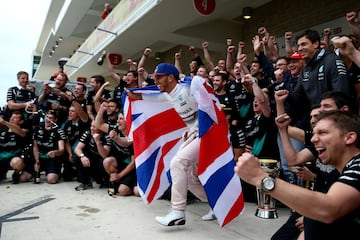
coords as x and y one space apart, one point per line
209 216
173 218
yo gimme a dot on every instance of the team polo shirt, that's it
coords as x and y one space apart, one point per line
47 140
90 144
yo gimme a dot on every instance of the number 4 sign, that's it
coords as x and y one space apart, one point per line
204 7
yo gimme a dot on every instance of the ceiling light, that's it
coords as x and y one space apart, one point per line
60 39
247 12
56 44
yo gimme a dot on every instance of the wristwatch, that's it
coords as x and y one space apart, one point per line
82 155
268 183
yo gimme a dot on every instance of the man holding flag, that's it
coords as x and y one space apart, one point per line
218 180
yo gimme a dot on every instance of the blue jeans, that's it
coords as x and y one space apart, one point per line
288 175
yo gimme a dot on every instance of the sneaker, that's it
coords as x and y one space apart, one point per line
16 177
82 186
209 216
173 218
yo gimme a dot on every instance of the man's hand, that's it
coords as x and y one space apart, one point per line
248 169
257 44
242 58
327 31
288 35
85 161
205 45
229 42
147 51
281 95
178 54
282 121
132 95
231 49
344 44
52 154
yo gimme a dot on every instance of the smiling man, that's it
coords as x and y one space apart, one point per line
324 71
337 140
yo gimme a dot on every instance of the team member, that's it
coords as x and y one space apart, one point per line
336 138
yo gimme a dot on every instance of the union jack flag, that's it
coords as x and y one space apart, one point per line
156 130
155 144
216 158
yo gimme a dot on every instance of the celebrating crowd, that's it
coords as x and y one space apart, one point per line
301 110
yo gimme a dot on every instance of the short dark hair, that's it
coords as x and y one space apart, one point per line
21 73
346 121
52 112
134 73
17 112
312 35
99 79
341 99
82 85
224 76
118 105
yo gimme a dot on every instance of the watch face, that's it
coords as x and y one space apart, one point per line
269 184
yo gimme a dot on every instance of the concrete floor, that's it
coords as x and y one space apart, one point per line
57 212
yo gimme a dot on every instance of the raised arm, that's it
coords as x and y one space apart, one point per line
103 150
288 46
260 96
116 77
346 47
143 58
280 98
45 92
177 61
291 155
82 114
230 60
132 64
241 47
326 39
97 98
99 119
207 56
14 128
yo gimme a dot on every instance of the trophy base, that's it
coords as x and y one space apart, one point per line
266 213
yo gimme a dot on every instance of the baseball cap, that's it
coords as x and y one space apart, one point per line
296 56
166 69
